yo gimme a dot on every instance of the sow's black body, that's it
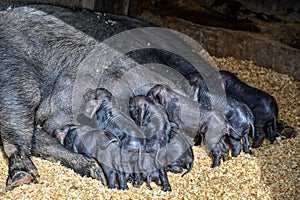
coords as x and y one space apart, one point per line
41 49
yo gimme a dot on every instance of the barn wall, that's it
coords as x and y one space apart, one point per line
278 49
113 6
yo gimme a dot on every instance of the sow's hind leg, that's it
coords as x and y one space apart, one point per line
19 98
48 147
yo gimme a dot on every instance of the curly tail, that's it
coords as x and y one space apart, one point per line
252 130
189 166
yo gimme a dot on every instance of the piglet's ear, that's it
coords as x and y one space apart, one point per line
195 90
223 84
91 108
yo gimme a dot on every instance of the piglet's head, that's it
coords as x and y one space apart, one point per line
138 107
94 99
161 94
60 134
228 78
196 81
155 93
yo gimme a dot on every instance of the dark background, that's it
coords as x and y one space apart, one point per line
264 31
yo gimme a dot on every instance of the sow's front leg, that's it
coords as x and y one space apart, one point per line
48 147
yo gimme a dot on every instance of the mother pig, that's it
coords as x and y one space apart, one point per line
41 50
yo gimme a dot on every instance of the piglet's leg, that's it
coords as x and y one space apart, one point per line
122 180
236 147
216 161
111 177
246 144
219 150
258 137
271 131
164 179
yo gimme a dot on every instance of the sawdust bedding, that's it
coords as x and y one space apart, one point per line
272 172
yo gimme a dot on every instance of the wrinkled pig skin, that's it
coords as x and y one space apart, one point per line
262 105
210 124
133 138
238 114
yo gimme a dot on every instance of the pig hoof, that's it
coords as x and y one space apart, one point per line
167 189
97 173
215 165
113 187
235 155
249 152
20 178
137 183
35 175
149 187
124 187
257 142
255 145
